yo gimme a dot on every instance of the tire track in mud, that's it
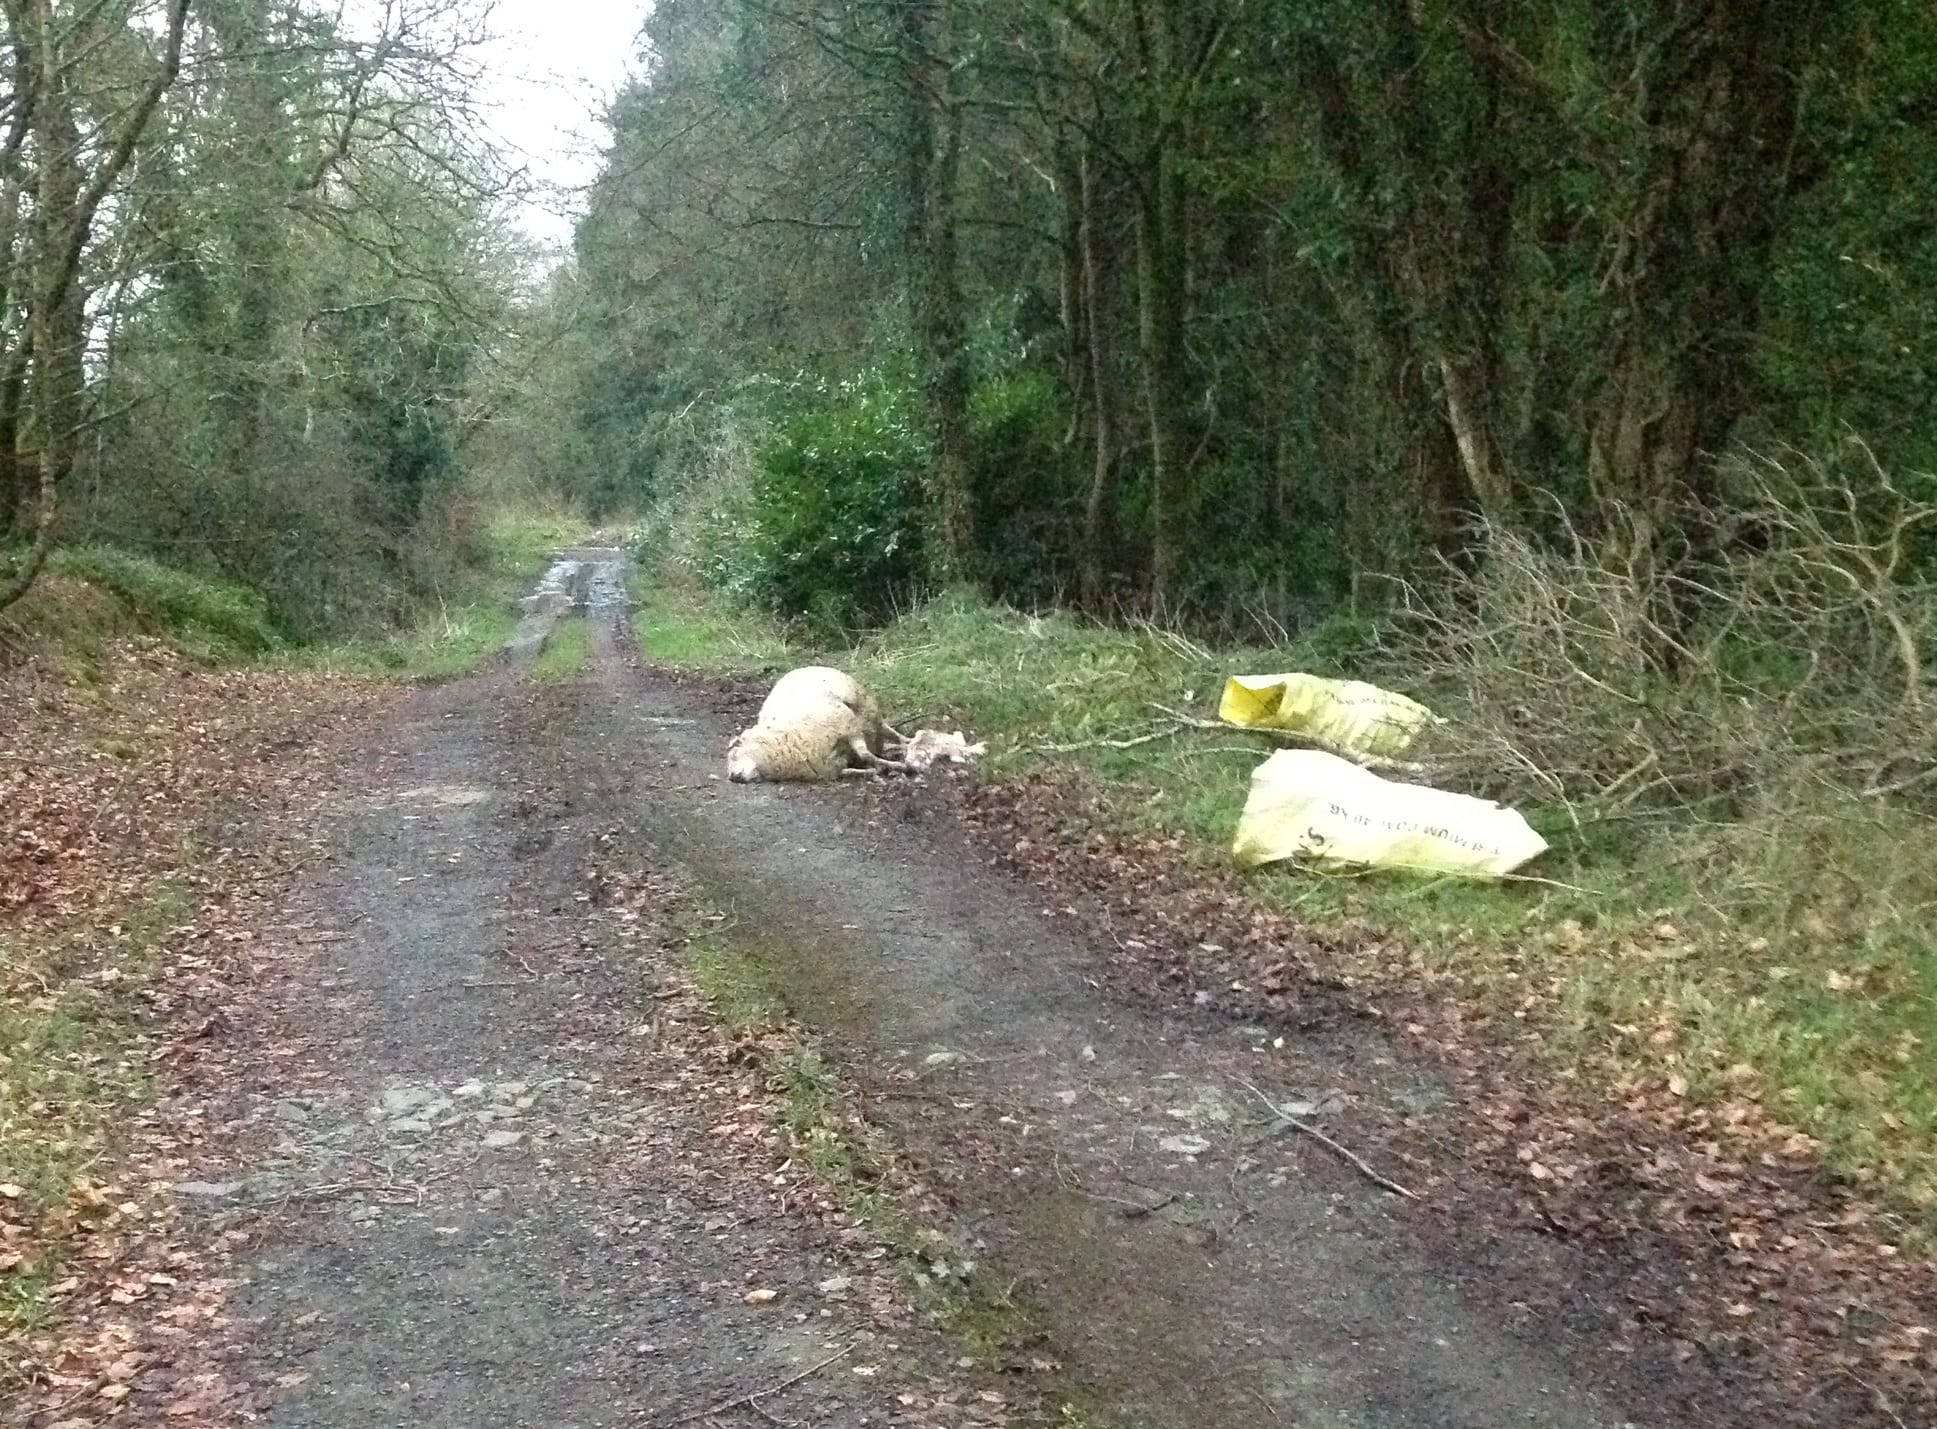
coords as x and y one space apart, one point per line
482 1162
1110 1160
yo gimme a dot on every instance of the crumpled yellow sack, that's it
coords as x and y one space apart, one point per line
1347 715
1305 803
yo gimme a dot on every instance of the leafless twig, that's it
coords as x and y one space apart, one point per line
1877 1397
1129 1210
1350 1157
1131 742
751 1400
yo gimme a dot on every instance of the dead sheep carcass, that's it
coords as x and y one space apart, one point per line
816 724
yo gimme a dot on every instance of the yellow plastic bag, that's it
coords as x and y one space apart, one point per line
1308 804
1347 715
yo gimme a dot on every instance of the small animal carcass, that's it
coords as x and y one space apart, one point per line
817 724
926 748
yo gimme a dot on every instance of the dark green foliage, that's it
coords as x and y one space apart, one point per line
399 375
1850 312
838 534
617 413
1262 310
1027 485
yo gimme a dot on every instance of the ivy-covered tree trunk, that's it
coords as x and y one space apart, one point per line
67 196
934 162
1098 269
57 314
1161 301
254 283
1691 262
14 470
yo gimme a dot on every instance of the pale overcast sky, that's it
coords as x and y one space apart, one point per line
553 66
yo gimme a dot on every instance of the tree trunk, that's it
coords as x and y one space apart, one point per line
66 201
56 317
1412 502
948 368
14 471
13 296
1072 311
934 160
1692 262
1470 370
1161 303
1099 512
260 259
1479 455
1278 519
15 299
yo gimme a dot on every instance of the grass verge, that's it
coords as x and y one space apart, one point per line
124 777
90 597
516 543
443 645
1730 965
682 628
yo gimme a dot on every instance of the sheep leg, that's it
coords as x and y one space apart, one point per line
872 763
876 769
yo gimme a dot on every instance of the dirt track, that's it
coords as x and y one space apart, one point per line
478 1175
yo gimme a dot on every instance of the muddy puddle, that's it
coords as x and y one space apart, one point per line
587 581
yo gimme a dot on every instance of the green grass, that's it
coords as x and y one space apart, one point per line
679 628
1788 964
521 542
91 596
565 651
1057 689
1784 963
740 986
25 1306
445 643
734 985
211 619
